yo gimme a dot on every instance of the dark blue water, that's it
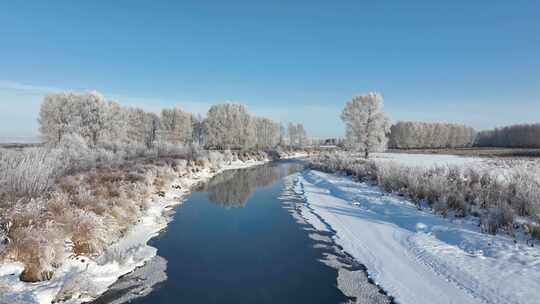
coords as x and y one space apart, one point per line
233 242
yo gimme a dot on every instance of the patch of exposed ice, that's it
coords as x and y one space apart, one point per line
136 284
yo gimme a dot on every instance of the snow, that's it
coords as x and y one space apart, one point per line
81 279
20 140
136 284
415 255
426 160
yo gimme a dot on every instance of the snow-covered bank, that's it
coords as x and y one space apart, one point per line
416 256
80 278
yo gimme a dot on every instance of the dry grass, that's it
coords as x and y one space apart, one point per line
87 204
88 210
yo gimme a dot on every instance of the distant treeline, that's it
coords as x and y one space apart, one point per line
516 136
95 121
417 135
422 135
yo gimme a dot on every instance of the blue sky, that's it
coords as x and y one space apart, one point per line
473 62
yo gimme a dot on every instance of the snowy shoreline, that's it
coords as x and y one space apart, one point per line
352 277
417 256
82 279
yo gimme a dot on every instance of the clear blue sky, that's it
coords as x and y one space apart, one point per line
473 62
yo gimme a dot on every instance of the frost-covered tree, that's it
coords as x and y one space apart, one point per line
56 117
94 119
176 126
142 127
301 135
153 125
267 132
291 134
116 127
229 126
197 123
89 115
417 135
297 135
136 125
366 123
282 135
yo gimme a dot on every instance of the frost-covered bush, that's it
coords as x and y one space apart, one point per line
496 196
216 159
228 157
495 218
91 233
89 210
34 239
166 149
76 153
39 249
30 171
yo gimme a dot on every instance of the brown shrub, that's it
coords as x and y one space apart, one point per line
40 249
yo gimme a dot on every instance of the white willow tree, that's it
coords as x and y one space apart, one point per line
142 127
197 123
297 135
366 123
94 119
417 135
267 132
88 115
301 135
152 128
282 135
176 126
56 117
291 134
229 126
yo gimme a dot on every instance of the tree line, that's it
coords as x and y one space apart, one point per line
105 123
418 135
368 130
515 136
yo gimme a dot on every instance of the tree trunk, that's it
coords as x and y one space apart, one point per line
366 153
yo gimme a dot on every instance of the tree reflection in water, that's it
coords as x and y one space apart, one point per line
233 188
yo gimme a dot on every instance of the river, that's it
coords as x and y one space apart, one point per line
234 241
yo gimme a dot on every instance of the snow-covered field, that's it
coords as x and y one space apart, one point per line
20 140
81 279
426 160
417 256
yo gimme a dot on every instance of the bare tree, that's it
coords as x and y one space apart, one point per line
366 123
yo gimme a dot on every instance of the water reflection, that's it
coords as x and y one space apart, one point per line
241 255
232 188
